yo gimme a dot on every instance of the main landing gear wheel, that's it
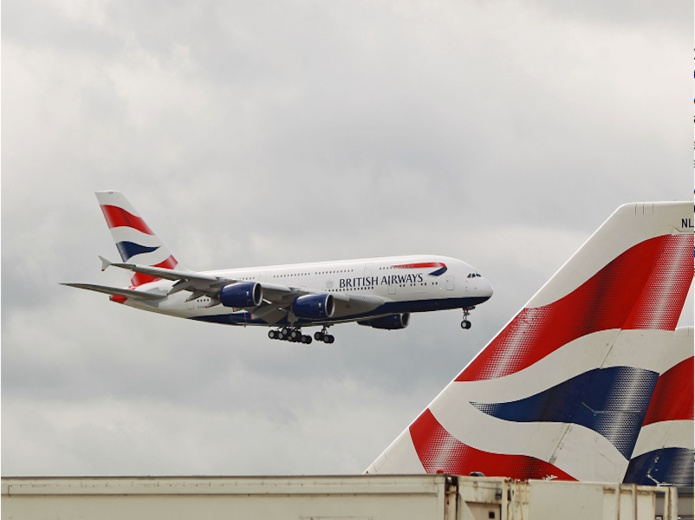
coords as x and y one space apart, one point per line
291 335
324 336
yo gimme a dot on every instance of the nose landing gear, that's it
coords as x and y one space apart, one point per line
466 324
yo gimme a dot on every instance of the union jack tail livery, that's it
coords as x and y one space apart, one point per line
135 241
664 450
565 387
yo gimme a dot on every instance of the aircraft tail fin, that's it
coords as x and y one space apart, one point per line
135 240
563 389
663 454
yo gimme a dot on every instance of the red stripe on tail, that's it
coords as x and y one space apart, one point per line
118 217
439 450
643 288
672 399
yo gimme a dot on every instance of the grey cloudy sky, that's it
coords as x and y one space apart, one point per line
253 133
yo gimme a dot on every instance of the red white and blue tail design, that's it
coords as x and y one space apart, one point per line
664 450
563 390
135 241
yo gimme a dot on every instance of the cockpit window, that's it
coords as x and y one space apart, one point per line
473 275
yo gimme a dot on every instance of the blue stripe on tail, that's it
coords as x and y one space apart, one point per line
130 249
610 401
670 466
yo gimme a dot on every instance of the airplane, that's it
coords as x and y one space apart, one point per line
664 450
563 391
377 292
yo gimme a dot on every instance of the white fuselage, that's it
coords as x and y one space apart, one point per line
362 288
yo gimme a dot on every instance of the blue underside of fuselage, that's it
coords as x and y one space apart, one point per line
245 318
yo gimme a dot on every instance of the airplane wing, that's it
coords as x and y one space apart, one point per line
276 298
270 313
351 304
116 291
186 280
200 284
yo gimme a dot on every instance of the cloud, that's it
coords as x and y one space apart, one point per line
269 133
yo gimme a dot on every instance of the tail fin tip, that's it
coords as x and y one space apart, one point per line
134 239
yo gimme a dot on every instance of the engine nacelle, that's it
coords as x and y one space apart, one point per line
241 294
314 306
390 322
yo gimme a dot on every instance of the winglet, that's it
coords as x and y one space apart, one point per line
105 264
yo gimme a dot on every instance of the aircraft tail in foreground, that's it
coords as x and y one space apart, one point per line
563 390
664 451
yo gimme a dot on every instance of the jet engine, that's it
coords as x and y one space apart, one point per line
314 306
390 322
241 294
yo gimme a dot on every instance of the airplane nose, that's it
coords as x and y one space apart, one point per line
485 288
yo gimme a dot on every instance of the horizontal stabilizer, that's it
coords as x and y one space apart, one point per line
115 291
105 264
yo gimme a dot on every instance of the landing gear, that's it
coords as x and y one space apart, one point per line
294 335
289 334
324 336
466 324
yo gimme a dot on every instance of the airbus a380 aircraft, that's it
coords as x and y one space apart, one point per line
376 292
